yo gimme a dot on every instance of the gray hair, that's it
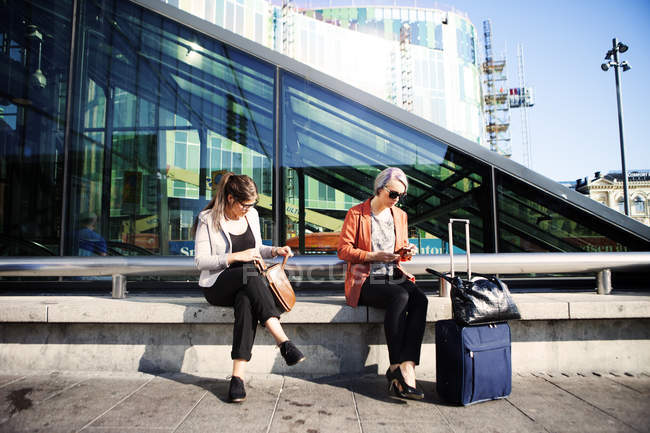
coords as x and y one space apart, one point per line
387 174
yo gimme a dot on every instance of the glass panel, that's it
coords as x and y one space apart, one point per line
333 148
530 220
160 113
34 46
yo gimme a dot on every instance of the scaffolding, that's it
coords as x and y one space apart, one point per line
407 66
495 98
288 16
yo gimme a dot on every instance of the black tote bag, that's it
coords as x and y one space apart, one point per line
484 300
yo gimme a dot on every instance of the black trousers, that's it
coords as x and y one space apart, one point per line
406 313
243 288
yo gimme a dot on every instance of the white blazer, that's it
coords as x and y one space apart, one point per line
211 248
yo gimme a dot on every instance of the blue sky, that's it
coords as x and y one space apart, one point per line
573 126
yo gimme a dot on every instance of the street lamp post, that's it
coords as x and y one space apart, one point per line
612 57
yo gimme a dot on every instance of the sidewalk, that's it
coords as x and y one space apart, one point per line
136 402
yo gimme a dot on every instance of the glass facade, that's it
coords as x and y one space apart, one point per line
35 43
112 134
343 146
158 112
530 220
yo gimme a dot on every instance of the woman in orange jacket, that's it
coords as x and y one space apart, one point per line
374 240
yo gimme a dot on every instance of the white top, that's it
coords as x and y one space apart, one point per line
211 248
383 239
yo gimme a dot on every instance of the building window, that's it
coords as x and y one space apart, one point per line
639 205
620 205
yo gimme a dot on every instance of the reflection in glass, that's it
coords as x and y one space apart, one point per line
34 46
332 150
160 112
530 220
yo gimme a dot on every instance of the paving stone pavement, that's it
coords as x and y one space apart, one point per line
137 402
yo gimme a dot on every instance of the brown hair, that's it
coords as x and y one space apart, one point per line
240 186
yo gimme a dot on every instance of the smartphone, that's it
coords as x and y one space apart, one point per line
403 252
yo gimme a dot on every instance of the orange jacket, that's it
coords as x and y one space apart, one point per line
355 242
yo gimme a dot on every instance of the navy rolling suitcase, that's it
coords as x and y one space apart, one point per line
473 363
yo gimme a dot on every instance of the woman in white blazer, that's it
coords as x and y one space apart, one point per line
227 241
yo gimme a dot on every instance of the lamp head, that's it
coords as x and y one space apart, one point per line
625 66
604 67
38 80
609 54
622 47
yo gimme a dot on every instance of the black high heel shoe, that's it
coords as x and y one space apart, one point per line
390 375
400 388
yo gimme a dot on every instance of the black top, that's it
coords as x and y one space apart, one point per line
242 242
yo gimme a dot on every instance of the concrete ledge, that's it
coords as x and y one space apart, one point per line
560 332
22 310
309 309
627 309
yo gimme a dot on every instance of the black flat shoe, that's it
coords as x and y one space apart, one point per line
237 392
401 389
290 353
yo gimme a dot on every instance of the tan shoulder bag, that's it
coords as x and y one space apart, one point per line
278 282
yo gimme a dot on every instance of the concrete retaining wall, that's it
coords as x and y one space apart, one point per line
156 334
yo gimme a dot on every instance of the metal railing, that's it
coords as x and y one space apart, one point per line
307 268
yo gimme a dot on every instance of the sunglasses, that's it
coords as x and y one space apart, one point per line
394 194
249 205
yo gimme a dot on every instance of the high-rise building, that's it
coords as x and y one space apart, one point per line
433 72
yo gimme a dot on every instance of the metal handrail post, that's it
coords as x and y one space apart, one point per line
604 280
444 288
119 286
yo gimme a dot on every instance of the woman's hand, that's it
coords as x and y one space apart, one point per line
283 251
248 255
410 251
381 256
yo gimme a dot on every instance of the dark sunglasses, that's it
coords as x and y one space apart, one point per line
394 194
248 206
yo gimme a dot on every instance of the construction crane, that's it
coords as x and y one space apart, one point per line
522 97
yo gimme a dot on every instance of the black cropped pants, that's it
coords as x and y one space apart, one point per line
406 313
243 288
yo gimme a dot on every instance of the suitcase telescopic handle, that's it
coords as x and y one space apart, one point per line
451 245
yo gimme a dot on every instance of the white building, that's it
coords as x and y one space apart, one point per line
434 72
608 190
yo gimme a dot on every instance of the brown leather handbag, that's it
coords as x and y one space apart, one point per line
278 282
